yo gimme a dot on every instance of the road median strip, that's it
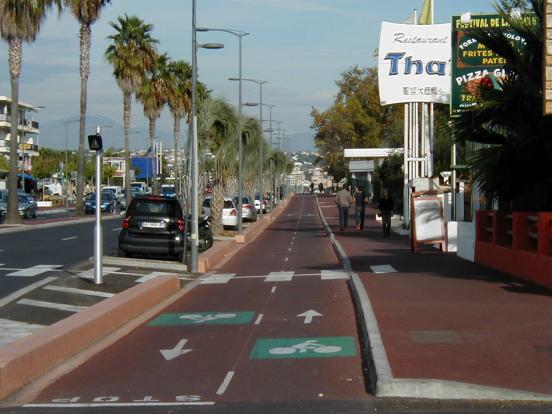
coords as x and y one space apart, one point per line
27 359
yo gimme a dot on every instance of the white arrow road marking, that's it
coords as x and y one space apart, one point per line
34 270
175 352
309 315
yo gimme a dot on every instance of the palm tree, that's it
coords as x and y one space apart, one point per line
87 13
252 140
153 94
20 21
180 105
513 165
131 53
218 123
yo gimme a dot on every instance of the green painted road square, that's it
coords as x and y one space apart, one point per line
322 347
203 318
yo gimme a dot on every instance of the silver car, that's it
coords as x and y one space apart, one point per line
26 205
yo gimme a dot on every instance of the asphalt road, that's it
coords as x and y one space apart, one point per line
273 331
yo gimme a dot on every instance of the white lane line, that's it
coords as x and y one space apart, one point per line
218 279
259 319
70 238
150 276
383 269
286 259
273 290
279 277
16 295
225 383
79 291
89 274
117 229
51 305
289 250
334 274
34 270
11 331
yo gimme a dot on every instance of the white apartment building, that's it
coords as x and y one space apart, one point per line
28 130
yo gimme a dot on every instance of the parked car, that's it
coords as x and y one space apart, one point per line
107 203
248 208
258 203
153 224
229 213
117 191
26 205
168 190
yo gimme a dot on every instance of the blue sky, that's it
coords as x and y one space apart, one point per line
299 46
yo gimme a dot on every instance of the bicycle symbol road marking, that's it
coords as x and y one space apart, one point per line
304 347
296 348
199 318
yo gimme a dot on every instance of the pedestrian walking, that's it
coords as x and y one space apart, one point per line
360 204
321 188
312 187
343 199
385 208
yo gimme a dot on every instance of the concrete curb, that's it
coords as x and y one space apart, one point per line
27 359
381 381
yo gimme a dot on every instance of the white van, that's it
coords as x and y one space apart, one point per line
117 190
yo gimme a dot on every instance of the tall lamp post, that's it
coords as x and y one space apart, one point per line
194 154
260 83
239 34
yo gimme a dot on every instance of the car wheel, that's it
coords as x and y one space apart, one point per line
122 253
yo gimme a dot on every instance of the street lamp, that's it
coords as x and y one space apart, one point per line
239 34
194 155
260 83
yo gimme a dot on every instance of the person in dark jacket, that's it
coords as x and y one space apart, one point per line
385 207
360 204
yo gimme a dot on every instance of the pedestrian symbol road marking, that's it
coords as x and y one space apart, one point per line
204 318
279 276
34 270
323 347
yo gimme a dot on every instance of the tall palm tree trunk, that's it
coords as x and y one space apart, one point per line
154 186
126 124
176 136
85 40
14 57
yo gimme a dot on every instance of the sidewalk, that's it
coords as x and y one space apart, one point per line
448 328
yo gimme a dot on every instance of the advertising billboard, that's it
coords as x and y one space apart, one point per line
472 61
414 63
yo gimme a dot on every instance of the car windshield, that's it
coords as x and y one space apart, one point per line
228 204
107 196
156 208
23 199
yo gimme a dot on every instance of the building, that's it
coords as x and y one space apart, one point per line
28 131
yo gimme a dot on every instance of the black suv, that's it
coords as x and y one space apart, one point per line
153 224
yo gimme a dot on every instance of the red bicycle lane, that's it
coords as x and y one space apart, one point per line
259 336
